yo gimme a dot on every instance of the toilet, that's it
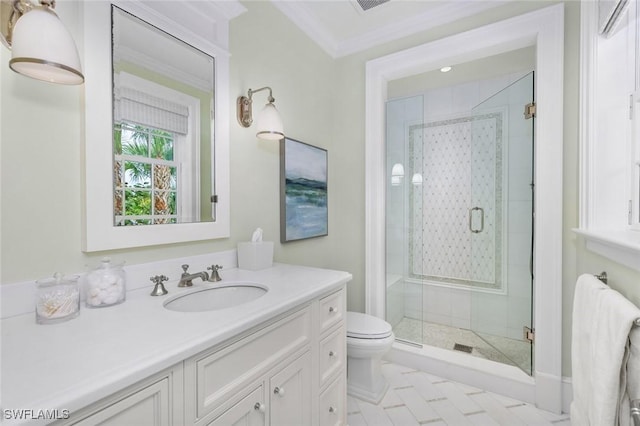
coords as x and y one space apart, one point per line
368 339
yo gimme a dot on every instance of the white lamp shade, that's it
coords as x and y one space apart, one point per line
269 123
397 170
42 48
416 179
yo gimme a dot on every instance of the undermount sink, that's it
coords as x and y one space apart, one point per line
216 298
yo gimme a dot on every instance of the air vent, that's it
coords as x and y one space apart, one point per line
370 4
462 348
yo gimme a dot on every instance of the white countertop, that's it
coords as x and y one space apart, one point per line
76 363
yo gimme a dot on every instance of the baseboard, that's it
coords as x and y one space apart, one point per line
547 392
567 394
481 373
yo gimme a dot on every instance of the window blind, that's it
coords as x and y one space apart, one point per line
148 110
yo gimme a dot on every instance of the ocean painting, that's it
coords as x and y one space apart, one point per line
303 191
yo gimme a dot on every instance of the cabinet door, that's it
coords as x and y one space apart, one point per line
250 411
149 406
291 394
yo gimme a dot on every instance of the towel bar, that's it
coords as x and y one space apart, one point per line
604 278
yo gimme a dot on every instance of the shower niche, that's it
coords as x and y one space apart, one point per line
459 236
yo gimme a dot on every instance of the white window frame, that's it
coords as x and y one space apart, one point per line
634 207
607 157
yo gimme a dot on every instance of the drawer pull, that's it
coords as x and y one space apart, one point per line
278 391
332 354
333 310
333 410
260 407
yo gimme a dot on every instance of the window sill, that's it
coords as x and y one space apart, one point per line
622 246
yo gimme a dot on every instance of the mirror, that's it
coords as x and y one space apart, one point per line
163 92
151 69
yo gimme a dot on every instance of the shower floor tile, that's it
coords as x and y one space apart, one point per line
512 352
455 405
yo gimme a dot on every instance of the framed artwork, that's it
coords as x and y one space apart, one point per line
303 191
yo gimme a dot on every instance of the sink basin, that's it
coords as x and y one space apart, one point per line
216 298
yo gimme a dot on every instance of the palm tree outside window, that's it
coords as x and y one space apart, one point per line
145 175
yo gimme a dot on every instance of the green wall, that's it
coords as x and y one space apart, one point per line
322 103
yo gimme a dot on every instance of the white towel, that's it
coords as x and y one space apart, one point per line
583 319
602 321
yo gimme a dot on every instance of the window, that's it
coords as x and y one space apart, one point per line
610 136
156 163
145 175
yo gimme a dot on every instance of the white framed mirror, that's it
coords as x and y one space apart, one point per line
139 97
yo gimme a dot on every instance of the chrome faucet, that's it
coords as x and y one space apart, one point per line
186 278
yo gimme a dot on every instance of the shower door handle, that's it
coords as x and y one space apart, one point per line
481 210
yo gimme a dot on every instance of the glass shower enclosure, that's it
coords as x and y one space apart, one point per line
459 208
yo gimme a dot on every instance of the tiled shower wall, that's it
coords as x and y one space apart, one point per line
461 162
496 313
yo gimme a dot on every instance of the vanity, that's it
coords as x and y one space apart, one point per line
279 359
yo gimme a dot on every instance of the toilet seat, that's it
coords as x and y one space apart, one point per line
363 326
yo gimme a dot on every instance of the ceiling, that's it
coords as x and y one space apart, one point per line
341 27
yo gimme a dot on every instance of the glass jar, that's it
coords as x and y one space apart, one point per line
57 299
105 285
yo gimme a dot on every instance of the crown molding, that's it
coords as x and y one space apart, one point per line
301 16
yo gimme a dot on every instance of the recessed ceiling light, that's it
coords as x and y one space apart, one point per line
446 69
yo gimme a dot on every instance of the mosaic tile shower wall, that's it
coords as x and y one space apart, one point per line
461 162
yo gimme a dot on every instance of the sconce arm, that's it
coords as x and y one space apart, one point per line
270 98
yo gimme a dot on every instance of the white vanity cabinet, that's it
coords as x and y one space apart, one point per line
290 370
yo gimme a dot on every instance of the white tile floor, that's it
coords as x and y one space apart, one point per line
418 398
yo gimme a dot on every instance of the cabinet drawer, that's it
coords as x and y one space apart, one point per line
220 374
333 354
248 411
149 406
332 309
333 403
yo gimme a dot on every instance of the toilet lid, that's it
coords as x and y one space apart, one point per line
363 326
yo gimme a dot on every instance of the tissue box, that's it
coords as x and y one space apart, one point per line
254 256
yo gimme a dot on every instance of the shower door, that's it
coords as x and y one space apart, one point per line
500 223
404 295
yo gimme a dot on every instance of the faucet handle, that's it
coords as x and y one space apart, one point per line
184 269
159 289
214 273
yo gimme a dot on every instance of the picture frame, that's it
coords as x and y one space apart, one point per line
303 191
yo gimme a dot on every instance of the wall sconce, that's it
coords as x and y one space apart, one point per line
41 46
269 123
417 179
397 173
